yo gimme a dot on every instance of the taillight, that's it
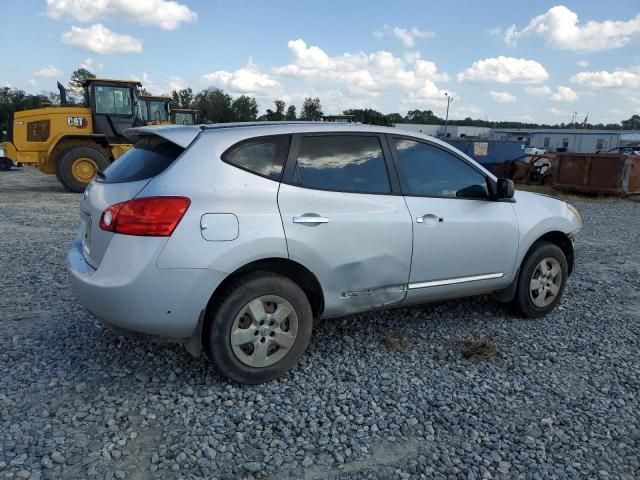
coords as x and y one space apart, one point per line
152 216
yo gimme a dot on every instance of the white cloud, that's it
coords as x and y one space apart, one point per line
542 90
582 63
502 97
176 83
559 113
621 78
562 93
99 39
90 65
405 35
365 75
463 111
164 88
504 70
168 15
247 80
33 82
50 71
561 29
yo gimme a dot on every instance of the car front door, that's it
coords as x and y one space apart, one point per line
345 219
464 242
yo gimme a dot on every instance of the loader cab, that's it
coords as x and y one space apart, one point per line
114 105
154 110
184 116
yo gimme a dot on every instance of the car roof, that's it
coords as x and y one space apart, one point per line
183 135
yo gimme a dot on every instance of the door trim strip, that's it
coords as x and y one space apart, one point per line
453 281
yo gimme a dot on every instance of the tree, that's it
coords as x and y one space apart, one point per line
632 123
12 99
215 105
393 118
368 116
291 113
426 117
144 91
245 109
278 115
311 109
182 98
76 83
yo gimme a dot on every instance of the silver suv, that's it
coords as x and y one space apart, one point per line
234 237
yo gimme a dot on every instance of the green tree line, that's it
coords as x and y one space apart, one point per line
215 105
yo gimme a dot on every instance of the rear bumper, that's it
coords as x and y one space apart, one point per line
140 297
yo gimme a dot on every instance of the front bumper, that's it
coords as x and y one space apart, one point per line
139 296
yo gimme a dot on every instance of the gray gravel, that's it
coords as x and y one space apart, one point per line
559 400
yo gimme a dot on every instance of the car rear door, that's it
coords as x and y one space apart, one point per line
345 219
464 242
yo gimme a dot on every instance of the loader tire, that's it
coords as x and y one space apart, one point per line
78 166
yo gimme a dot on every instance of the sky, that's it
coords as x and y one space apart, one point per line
500 60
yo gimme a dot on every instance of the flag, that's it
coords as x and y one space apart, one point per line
584 122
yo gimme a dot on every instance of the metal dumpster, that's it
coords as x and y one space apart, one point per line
604 173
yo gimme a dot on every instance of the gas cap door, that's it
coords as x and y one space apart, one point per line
219 227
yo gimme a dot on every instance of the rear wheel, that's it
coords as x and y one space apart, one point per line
260 328
543 277
78 166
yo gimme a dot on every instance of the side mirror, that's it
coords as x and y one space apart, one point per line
505 188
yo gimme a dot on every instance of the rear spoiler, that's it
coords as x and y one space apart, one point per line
181 135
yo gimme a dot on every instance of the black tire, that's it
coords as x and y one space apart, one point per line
5 164
222 317
523 300
65 163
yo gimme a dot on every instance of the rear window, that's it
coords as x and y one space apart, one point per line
150 156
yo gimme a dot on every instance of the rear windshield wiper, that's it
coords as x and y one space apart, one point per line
100 174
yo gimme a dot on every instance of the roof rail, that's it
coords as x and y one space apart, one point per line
214 126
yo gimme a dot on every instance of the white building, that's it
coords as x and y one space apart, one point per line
453 131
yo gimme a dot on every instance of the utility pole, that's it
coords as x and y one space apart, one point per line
573 120
446 120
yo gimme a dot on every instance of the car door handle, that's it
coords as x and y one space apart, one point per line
310 219
430 218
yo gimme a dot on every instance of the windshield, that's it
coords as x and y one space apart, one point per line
183 118
157 112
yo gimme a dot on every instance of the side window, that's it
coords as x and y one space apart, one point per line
434 172
345 163
113 100
263 156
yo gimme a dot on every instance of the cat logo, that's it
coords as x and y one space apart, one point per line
79 122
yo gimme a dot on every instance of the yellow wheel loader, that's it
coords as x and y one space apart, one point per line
185 116
155 109
73 142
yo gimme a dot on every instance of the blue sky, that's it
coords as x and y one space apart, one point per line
503 60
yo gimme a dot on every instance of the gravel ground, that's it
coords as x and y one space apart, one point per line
383 395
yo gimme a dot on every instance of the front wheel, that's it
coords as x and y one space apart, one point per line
542 280
78 166
260 328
